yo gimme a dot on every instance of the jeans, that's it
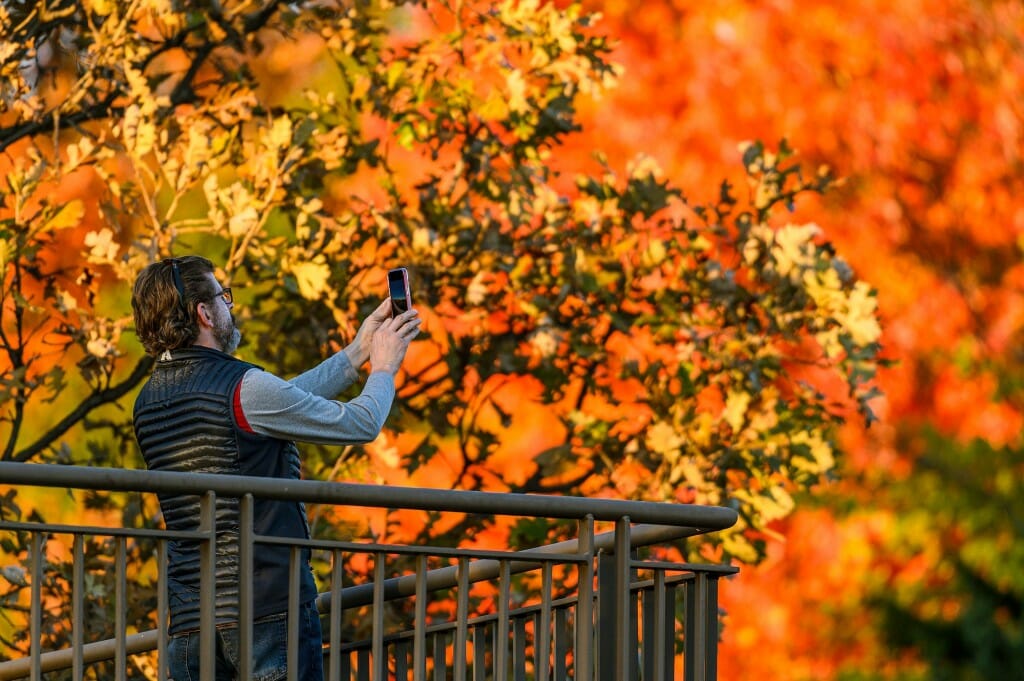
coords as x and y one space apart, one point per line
269 650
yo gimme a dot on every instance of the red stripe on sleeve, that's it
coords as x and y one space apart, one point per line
240 419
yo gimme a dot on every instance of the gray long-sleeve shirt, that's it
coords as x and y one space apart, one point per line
302 409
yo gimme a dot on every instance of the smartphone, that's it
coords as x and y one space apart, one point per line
398 288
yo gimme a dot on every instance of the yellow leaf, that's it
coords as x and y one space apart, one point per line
643 167
516 91
739 546
280 134
663 438
736 404
771 504
825 288
688 470
545 342
702 430
476 292
793 247
241 222
69 215
102 8
139 131
655 253
65 301
777 504
99 347
494 107
312 279
421 239
102 246
821 460
860 320
78 152
395 71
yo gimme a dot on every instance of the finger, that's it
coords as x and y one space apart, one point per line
383 310
407 326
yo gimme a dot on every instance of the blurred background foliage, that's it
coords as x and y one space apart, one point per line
590 329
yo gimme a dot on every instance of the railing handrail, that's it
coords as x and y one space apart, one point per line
637 523
395 588
703 518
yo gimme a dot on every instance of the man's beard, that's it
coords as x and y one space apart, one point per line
227 334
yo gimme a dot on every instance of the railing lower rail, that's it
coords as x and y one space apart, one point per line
618 621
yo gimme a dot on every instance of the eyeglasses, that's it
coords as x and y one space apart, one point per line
179 284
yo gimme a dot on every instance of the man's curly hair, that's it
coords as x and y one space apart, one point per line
164 319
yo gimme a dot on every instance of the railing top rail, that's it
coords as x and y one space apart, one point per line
702 518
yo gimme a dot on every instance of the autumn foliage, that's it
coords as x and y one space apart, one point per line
674 343
917 106
603 314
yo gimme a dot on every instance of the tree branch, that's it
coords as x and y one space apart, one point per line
104 109
12 134
96 399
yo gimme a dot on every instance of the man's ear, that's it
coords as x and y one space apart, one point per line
203 315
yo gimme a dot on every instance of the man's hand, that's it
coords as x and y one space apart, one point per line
391 340
358 350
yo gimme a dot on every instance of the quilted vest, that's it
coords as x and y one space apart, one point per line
184 421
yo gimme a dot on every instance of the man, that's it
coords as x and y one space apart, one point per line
204 411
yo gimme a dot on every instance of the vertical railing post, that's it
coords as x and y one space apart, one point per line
700 642
208 586
501 637
625 629
659 629
337 578
440 662
519 648
657 640
401 661
120 610
246 533
78 607
559 671
711 626
606 616
379 659
480 652
583 660
36 607
419 645
542 634
669 635
616 623
363 671
461 619
162 610
695 636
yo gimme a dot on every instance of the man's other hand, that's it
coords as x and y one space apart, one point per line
358 350
391 340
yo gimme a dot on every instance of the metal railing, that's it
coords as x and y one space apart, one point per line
589 608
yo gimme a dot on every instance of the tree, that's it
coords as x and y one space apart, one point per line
916 105
965 616
680 351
